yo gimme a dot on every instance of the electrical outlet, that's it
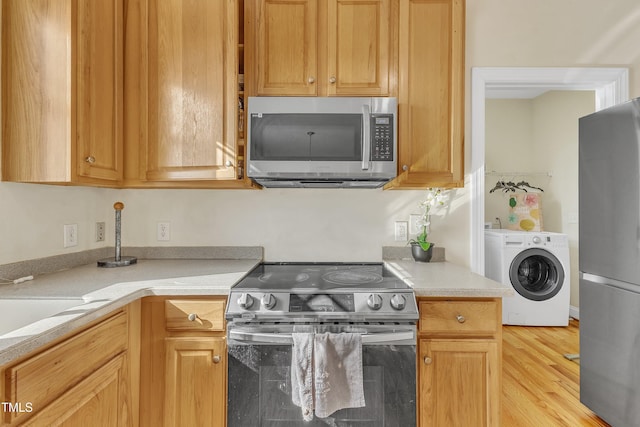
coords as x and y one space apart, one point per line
70 235
164 231
572 217
401 231
100 231
414 220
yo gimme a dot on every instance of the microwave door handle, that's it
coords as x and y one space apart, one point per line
366 137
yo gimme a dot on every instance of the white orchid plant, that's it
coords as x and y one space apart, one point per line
436 198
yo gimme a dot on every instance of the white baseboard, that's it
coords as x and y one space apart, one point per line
574 312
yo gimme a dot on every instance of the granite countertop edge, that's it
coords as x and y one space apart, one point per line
209 277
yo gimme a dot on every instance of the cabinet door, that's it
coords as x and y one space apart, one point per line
99 73
97 401
286 47
62 91
431 94
459 383
359 47
192 102
195 374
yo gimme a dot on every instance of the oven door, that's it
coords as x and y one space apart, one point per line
259 377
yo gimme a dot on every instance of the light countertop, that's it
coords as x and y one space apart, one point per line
102 290
444 279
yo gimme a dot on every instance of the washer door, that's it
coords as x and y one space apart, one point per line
536 274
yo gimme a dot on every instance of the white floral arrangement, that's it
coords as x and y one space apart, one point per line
436 198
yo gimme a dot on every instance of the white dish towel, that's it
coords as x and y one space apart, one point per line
302 373
326 373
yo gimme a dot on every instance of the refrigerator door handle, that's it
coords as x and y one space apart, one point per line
609 282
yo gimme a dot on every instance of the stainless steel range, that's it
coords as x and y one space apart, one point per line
278 299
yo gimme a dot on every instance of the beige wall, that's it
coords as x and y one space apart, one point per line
292 225
536 137
551 33
508 143
330 224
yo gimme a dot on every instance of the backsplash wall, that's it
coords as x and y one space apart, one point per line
291 224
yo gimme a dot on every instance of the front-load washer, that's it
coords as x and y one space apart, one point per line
537 266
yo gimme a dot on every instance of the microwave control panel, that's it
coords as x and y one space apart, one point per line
382 137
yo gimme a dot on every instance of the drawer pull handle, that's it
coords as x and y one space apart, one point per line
192 317
427 360
216 359
90 159
460 318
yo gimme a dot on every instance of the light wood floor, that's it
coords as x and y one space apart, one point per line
540 386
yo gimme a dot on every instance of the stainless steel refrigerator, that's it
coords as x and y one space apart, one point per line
609 170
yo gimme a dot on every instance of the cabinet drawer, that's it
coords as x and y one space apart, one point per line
194 315
460 317
44 377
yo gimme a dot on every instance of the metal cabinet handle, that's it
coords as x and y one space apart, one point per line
228 163
216 359
427 360
311 80
332 79
405 167
90 159
192 317
460 318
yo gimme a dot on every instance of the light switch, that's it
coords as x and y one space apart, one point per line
402 231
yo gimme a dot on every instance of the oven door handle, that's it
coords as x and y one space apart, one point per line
270 338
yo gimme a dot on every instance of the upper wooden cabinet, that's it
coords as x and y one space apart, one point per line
314 47
431 94
62 80
181 85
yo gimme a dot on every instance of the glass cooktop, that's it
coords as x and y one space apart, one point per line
320 276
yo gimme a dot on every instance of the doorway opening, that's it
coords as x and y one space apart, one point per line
611 87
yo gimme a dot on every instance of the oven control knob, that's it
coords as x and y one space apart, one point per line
245 301
268 301
374 302
398 301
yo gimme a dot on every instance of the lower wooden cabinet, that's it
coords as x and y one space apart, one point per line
184 369
459 362
86 379
456 380
96 401
162 361
195 379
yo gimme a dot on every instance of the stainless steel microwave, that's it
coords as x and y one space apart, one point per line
322 141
